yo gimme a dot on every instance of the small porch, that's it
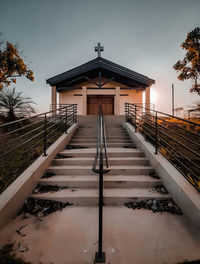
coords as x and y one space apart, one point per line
100 81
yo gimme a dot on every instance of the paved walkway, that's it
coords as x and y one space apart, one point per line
130 237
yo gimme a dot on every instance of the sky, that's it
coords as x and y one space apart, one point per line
142 35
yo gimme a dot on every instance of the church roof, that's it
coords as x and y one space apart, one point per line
91 69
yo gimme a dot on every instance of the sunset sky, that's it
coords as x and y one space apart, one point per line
143 35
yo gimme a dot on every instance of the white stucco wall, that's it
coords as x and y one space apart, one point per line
133 97
70 97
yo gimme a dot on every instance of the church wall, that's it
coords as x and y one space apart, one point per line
129 96
101 92
72 97
133 97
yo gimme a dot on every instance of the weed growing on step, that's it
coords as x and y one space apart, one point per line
62 156
48 188
190 262
75 147
154 175
8 256
161 189
48 175
42 207
156 206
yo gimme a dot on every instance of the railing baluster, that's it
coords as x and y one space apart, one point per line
73 114
135 118
156 133
100 255
76 113
66 121
126 111
45 135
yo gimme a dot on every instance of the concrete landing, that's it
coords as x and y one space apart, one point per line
130 237
110 120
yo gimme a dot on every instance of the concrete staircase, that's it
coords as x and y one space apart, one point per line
127 180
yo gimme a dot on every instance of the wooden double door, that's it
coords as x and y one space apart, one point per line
94 101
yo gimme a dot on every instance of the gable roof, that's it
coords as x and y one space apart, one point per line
108 69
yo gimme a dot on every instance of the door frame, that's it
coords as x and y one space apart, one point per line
102 95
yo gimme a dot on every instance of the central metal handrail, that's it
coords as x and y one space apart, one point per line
101 158
101 145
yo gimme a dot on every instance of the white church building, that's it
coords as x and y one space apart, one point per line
100 81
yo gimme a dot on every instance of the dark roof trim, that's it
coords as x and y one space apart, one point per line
73 72
99 63
60 89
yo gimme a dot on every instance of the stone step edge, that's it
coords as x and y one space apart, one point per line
109 150
91 178
97 175
108 192
110 158
86 167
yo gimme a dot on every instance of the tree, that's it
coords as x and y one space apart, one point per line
189 67
12 65
13 104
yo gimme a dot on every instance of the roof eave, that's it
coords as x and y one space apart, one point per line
101 63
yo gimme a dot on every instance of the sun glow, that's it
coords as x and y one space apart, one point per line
153 96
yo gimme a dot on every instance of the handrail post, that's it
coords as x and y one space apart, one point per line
156 133
100 257
74 117
66 120
135 118
60 119
45 135
76 113
126 111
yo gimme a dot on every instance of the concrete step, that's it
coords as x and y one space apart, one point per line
95 137
88 127
94 134
110 145
112 152
128 179
111 129
112 161
94 140
95 127
110 181
87 170
114 132
112 196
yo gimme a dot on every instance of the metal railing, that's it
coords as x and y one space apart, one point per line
101 161
146 105
177 139
53 107
23 141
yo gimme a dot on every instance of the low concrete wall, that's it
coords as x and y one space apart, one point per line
12 199
186 196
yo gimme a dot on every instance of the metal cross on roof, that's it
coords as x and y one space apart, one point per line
98 49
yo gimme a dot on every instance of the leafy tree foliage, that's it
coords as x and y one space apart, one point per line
189 67
12 65
13 104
